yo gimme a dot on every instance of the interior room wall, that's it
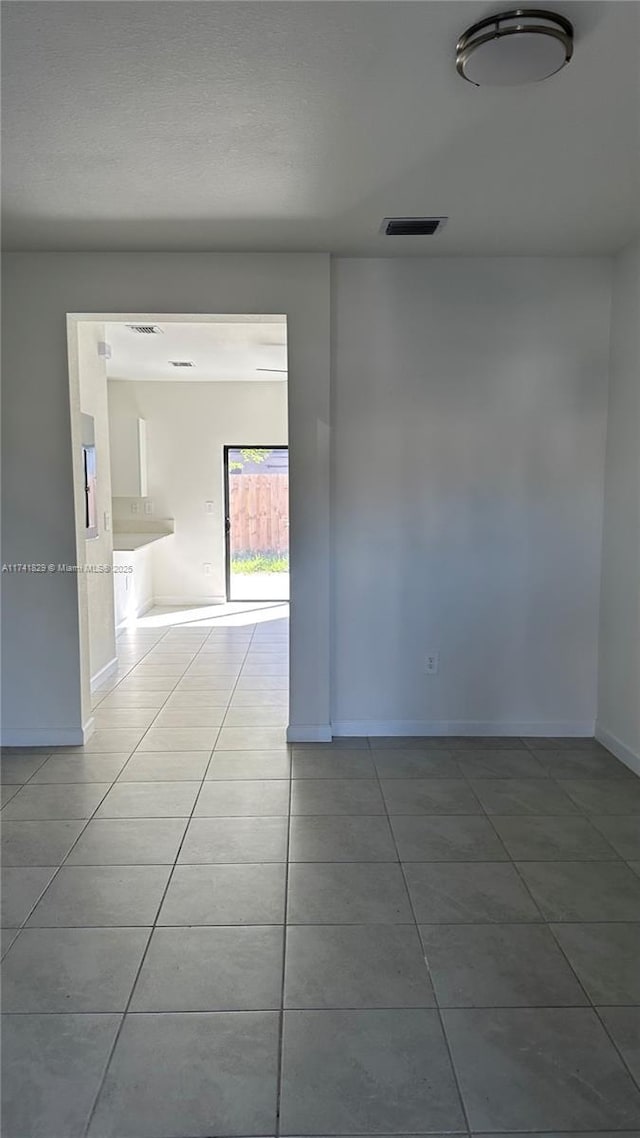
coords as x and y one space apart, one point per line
98 551
188 423
46 697
469 417
619 675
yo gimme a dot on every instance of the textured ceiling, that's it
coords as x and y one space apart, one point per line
299 126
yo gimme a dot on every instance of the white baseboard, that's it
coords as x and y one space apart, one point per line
88 729
46 736
399 727
141 611
197 602
104 673
310 733
627 755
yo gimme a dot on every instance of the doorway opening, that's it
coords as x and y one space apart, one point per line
256 485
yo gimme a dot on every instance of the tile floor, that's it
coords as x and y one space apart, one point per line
209 933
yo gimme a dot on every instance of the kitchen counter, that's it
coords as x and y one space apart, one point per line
128 542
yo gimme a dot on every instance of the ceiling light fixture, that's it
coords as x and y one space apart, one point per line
524 45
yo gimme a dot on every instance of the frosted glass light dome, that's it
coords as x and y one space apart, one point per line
512 48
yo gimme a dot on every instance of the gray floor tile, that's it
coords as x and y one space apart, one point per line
179 739
7 937
124 740
191 717
8 792
251 738
583 891
410 742
344 966
341 838
38 843
21 888
500 764
336 796
340 743
106 717
454 892
149 800
166 766
256 717
347 893
79 800
622 833
522 796
574 1134
605 796
334 763
411 763
98 895
151 700
194 1074
635 866
567 763
540 743
567 1077
188 700
129 841
255 765
480 966
235 840
442 838
243 797
485 742
80 768
18 769
225 895
72 970
53 1065
211 969
366 1072
429 796
568 838
606 957
623 1025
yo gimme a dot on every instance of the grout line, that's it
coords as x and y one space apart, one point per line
153 928
548 924
416 925
280 1060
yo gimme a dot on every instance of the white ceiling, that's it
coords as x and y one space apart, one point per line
299 126
221 350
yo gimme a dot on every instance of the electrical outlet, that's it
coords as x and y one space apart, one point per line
135 507
209 507
432 663
208 568
107 521
148 506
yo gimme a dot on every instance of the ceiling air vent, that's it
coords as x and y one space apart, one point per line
145 329
411 226
182 363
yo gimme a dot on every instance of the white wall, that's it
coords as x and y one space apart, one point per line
187 426
98 551
468 411
45 635
619 687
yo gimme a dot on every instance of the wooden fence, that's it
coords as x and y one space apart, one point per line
259 512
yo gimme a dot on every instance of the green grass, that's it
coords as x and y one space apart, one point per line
260 563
